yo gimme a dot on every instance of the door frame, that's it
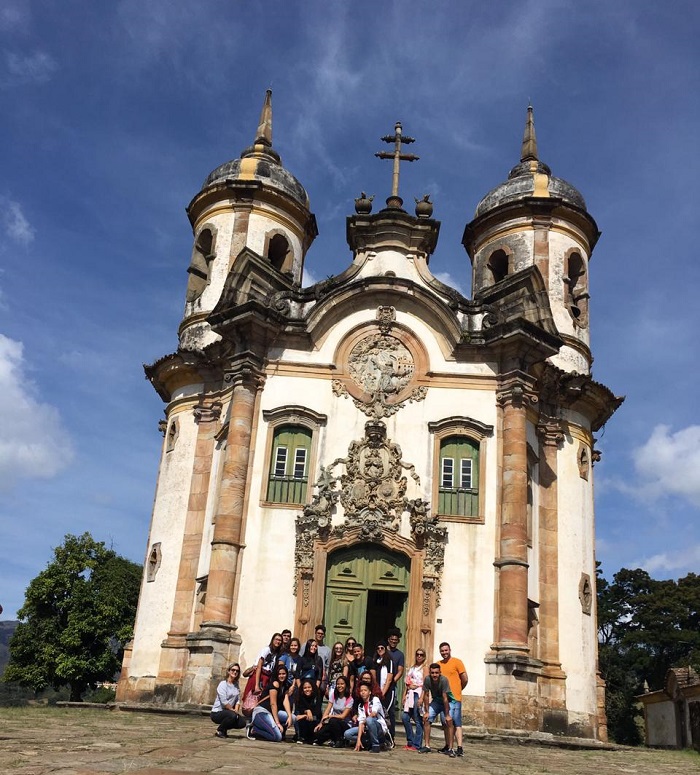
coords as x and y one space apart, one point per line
420 617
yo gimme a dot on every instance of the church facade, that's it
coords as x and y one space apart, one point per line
377 449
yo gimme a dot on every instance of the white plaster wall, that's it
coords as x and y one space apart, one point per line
389 260
266 606
577 635
559 245
223 222
260 225
661 723
167 527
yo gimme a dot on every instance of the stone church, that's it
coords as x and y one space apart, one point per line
377 449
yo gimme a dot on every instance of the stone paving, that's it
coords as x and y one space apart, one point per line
35 741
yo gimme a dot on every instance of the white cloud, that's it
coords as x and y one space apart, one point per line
668 463
13 15
14 223
308 278
448 279
679 561
33 442
21 70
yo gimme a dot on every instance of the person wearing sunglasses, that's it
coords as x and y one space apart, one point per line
412 701
226 708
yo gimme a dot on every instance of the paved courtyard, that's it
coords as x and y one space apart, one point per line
34 741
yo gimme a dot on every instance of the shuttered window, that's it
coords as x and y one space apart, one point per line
289 467
458 494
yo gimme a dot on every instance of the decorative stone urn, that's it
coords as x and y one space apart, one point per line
363 204
424 207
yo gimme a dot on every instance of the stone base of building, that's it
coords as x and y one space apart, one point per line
525 695
191 668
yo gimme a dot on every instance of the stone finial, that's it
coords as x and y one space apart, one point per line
424 207
264 134
529 148
363 204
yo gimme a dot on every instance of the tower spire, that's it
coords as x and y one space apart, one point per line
529 149
264 134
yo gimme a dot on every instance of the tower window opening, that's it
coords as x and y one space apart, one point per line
575 290
277 252
498 264
200 266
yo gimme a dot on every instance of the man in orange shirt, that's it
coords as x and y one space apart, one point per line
453 669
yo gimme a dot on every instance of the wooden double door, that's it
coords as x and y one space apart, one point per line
366 594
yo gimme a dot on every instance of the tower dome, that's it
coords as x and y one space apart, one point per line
260 162
531 177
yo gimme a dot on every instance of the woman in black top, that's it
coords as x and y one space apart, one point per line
272 716
307 711
311 665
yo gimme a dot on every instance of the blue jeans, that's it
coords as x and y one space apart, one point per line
413 715
264 726
374 731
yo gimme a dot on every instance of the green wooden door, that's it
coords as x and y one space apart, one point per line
352 574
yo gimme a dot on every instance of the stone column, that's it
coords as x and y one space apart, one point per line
551 437
228 537
512 564
217 642
542 225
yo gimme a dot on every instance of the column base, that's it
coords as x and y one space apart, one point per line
211 649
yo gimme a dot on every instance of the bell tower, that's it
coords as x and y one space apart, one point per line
537 219
252 203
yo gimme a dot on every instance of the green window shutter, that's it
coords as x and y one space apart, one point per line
458 494
289 465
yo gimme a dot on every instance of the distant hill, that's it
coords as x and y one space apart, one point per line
6 631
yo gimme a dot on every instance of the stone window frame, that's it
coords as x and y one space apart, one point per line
477 433
171 435
293 415
508 254
583 296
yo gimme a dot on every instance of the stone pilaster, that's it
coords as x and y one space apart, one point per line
542 225
512 614
511 700
174 656
216 642
552 682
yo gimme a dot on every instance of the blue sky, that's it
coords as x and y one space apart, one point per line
112 114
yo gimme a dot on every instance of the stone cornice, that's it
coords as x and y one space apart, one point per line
516 389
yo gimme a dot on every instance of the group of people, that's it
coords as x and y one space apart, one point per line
340 696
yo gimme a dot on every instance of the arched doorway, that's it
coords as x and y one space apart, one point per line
367 590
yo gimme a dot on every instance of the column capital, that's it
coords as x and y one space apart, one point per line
550 431
207 412
516 389
245 370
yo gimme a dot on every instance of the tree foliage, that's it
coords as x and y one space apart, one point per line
645 627
77 615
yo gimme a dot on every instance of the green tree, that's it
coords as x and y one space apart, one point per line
645 627
77 615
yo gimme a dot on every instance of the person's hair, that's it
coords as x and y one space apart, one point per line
386 659
444 643
283 631
320 627
366 686
347 641
346 693
394 631
434 665
276 672
335 646
308 682
308 644
297 641
358 645
272 640
231 666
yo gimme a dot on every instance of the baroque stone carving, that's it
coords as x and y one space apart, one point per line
381 369
585 593
373 497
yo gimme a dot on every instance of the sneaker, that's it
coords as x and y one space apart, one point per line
219 733
249 732
460 750
451 754
444 749
424 749
409 748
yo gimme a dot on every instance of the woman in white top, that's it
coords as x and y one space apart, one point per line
226 708
415 677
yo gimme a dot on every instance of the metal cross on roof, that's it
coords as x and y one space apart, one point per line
398 139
